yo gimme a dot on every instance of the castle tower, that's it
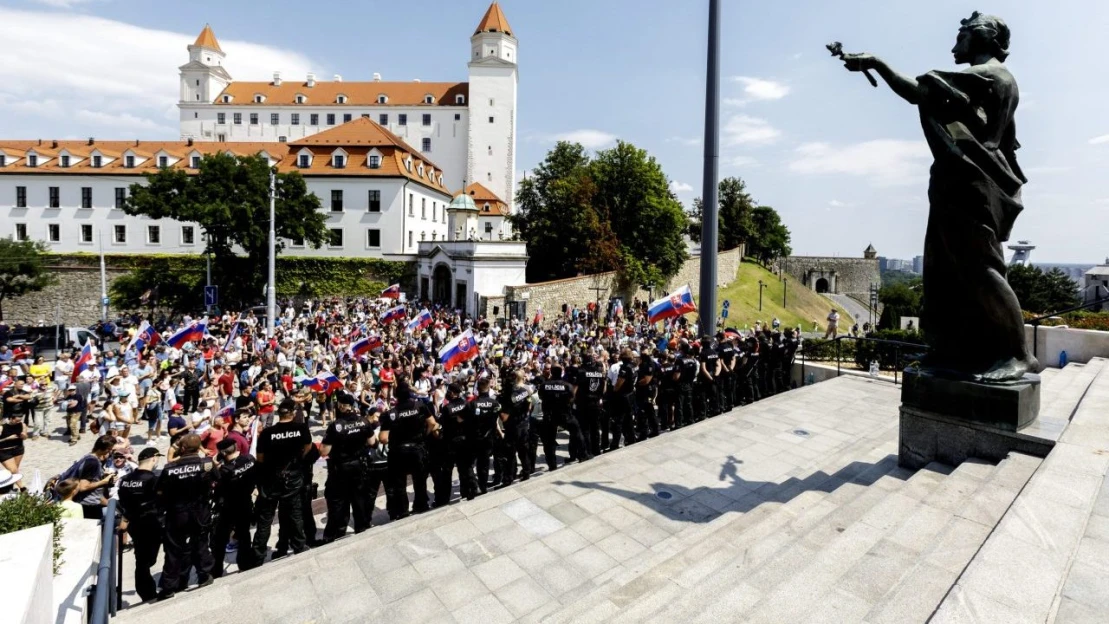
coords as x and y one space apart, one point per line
870 252
203 77
462 218
491 156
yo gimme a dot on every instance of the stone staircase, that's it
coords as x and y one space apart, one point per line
789 510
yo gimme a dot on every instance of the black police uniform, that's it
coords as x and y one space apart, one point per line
590 383
138 498
774 366
727 352
749 372
623 407
689 369
646 395
709 388
185 490
556 396
280 488
481 435
668 393
514 445
452 418
344 491
376 463
234 507
441 460
407 427
762 368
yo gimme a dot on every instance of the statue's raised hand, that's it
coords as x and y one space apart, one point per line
860 62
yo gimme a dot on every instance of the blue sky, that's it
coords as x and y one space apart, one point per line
843 163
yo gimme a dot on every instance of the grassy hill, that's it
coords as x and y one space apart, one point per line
802 304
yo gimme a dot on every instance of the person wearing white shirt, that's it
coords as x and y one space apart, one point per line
63 369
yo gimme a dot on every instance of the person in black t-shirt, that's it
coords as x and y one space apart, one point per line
185 491
344 445
590 386
707 382
646 393
557 395
623 398
138 500
689 368
749 371
404 428
281 452
668 390
482 429
453 415
234 501
515 419
726 350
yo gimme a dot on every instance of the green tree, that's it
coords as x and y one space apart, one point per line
899 299
735 215
160 284
769 236
565 235
1041 292
633 195
22 269
229 198
1060 291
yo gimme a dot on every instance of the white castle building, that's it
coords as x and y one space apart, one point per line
385 159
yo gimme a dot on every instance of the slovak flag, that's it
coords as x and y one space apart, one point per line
312 383
538 316
422 320
82 363
145 337
365 345
731 333
678 303
457 351
393 314
392 292
193 332
328 381
618 309
234 333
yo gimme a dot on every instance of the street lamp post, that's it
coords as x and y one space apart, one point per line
271 290
785 290
709 191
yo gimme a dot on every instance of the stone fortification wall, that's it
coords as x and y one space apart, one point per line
843 276
579 291
77 294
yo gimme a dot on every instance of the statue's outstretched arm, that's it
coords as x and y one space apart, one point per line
902 85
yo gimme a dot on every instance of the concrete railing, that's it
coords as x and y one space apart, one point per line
1081 345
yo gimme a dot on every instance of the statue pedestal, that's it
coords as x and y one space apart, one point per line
950 421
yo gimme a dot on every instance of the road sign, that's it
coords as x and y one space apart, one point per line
104 301
211 295
724 314
727 304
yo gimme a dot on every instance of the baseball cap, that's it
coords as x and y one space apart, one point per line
178 406
149 452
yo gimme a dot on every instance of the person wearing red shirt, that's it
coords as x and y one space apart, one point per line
265 402
226 382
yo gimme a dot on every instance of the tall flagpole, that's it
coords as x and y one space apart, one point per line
709 211
271 286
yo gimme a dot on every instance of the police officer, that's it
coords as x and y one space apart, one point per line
623 397
138 499
376 464
710 373
589 390
789 339
556 395
688 368
344 445
668 391
185 491
762 369
234 501
515 417
453 416
646 395
281 452
482 431
727 352
441 456
749 371
404 429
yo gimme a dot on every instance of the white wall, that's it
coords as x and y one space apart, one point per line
1081 345
495 168
26 574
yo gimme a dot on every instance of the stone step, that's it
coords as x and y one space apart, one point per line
1060 396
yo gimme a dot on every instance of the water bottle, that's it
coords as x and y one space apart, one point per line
811 380
874 368
1062 359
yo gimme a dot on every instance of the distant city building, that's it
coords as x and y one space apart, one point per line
918 265
1096 284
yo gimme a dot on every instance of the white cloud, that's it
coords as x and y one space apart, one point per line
835 203
680 187
63 4
589 139
762 89
886 162
688 141
125 74
1098 140
747 130
740 161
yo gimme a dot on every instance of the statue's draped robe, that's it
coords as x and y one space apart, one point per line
970 315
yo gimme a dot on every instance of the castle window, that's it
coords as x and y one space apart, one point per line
221 118
383 119
21 197
373 238
460 99
163 161
238 119
86 233
347 117
314 119
427 120
402 119
304 161
187 235
294 119
331 119
374 201
55 232
154 234
375 161
335 237
488 177
337 200
97 161
457 116
129 162
423 207
120 234
429 99
426 145
20 231
196 162
490 120
254 119
382 99
121 197
32 160
301 99
275 118
227 99
258 99
86 197
55 197
65 160
282 139
339 161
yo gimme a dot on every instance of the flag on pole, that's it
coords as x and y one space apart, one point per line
364 346
393 314
329 381
459 350
193 332
422 320
144 337
312 383
731 333
618 309
392 292
254 438
678 303
82 363
235 330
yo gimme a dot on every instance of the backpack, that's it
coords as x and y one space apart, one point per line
50 489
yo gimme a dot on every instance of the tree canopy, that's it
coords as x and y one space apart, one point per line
902 298
1041 292
614 211
743 220
229 198
22 269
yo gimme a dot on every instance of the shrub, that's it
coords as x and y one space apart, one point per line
25 511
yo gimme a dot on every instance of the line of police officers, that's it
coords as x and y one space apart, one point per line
197 503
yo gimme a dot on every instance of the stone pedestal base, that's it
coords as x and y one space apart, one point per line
950 421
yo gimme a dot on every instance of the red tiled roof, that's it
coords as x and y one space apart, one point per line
207 39
494 21
326 93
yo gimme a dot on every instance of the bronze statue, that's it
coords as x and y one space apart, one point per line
971 317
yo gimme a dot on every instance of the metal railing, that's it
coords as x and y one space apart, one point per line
108 591
1035 323
898 347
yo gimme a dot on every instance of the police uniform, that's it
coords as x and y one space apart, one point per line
762 369
452 418
407 427
749 372
138 498
280 485
234 506
646 394
668 393
623 407
708 388
185 490
481 432
441 459
689 369
556 396
590 383
514 445
727 352
344 491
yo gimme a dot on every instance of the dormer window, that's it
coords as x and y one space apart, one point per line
163 162
32 160
428 99
375 161
304 161
339 161
3 160
460 99
382 99
97 161
420 171
440 179
408 165
195 164
259 98
65 160
300 99
226 99
342 99
129 162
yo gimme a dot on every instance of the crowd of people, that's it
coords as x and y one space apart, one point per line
248 415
